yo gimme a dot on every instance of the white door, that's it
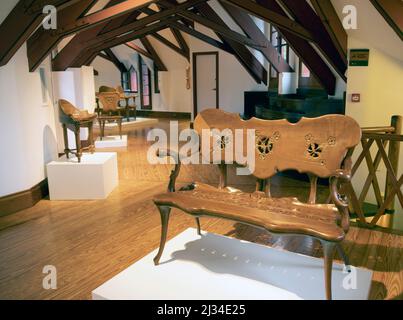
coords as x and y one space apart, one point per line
206 81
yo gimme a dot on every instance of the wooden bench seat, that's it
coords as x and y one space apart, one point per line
320 147
280 215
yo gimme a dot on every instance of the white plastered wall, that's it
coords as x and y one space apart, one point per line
28 130
380 84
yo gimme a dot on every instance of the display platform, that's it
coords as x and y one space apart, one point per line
92 179
214 267
138 123
111 142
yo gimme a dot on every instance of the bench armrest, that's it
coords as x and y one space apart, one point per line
175 172
341 177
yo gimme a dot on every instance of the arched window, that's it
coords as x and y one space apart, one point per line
145 85
134 83
130 81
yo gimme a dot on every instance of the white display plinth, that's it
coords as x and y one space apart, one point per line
94 178
132 124
214 267
111 142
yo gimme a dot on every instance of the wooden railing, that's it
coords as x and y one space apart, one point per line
378 138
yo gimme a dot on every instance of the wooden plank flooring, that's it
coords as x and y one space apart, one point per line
89 242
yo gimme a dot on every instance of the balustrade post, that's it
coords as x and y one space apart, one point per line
394 153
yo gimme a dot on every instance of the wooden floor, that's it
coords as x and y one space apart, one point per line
89 242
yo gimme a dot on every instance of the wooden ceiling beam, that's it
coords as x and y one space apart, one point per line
143 22
182 42
157 60
392 11
169 44
42 41
305 51
222 29
185 21
139 50
201 36
37 6
115 60
273 17
108 13
244 56
104 56
183 49
242 53
79 43
109 37
332 23
116 22
24 19
307 17
249 27
135 34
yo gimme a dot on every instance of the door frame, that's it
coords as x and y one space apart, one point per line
195 55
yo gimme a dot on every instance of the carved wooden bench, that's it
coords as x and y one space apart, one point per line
320 147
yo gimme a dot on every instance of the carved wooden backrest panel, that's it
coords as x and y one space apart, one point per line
109 101
317 146
106 89
69 113
67 108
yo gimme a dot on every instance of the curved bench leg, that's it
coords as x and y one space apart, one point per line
198 226
344 256
328 251
164 212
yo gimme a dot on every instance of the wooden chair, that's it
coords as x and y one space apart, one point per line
110 106
320 147
127 98
102 89
75 119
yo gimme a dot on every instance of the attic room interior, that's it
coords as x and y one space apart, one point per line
250 149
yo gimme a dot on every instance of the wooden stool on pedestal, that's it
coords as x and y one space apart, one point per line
75 119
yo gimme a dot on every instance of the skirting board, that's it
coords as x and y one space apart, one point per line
164 114
24 199
214 267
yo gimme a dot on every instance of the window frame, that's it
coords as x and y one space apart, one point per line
280 45
150 93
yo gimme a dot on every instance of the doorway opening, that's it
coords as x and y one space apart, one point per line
205 81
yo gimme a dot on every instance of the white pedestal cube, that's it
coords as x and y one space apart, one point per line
111 142
92 179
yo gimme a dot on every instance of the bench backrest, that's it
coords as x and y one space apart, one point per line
315 146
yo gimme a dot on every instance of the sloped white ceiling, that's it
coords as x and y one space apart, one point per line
372 28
